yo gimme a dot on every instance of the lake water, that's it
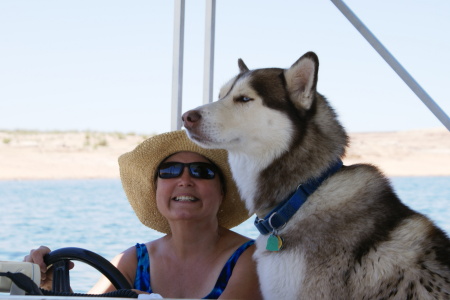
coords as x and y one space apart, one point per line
94 214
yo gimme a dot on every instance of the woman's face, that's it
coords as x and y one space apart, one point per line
188 198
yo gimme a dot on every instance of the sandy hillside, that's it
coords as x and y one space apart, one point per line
405 153
43 155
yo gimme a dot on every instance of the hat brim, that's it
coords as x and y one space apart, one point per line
138 170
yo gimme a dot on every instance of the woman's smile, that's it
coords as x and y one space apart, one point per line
185 199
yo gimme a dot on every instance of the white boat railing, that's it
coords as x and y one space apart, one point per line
209 60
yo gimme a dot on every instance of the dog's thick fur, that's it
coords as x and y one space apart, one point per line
353 238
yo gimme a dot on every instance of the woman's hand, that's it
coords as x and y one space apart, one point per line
37 256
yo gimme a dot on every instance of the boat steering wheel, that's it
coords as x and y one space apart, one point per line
60 260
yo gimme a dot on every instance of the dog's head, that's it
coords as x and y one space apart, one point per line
258 108
275 126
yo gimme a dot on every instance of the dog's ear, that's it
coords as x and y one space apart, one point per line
301 80
242 67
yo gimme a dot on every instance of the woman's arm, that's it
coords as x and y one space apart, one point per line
126 263
243 283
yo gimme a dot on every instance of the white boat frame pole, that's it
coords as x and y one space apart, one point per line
393 63
208 73
177 68
178 48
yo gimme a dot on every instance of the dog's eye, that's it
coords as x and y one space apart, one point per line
243 99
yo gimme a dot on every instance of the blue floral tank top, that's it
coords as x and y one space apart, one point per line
142 280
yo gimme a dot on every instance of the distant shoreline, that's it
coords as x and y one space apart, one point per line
28 155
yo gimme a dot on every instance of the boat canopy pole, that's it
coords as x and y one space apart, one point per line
177 68
395 65
178 48
208 72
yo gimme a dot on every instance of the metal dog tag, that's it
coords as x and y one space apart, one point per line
274 243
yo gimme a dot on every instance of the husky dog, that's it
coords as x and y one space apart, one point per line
328 231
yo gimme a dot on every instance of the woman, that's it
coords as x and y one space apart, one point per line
188 193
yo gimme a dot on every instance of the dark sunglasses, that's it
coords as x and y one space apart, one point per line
200 170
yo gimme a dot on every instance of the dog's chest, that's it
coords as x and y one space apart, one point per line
281 274
246 174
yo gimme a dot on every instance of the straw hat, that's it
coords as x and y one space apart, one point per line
138 170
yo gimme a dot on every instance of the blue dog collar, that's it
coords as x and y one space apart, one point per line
281 214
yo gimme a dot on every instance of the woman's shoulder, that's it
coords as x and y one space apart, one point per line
129 256
243 282
155 245
234 235
235 240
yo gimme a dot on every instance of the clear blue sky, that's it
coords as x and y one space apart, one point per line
106 64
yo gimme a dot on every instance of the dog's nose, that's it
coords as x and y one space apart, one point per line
191 118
